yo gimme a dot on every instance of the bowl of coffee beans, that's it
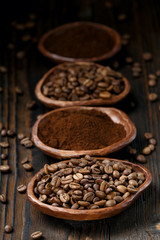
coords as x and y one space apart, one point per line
87 188
80 41
81 83
77 131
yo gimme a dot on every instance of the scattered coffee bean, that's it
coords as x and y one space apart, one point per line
10 133
27 166
152 141
18 90
31 105
28 144
153 97
151 146
4 156
151 83
8 229
4 144
141 158
67 185
36 235
152 76
1 89
148 135
3 69
146 151
4 168
11 46
121 17
129 60
74 82
20 54
135 74
147 56
21 188
132 151
3 198
3 132
21 136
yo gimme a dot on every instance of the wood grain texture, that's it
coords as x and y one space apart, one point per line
142 23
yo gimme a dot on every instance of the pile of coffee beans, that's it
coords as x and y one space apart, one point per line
74 82
87 183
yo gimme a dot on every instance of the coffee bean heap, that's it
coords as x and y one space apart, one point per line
73 82
86 183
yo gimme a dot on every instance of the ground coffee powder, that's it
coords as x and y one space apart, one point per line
79 130
83 41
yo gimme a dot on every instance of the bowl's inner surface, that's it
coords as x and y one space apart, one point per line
82 41
79 130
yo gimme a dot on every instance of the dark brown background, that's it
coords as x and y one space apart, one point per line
143 24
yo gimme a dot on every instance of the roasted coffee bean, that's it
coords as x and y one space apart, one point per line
146 151
4 144
36 235
148 135
4 168
10 133
64 197
83 203
132 189
21 136
4 156
3 69
132 151
153 97
20 54
56 181
118 199
132 176
78 177
8 228
25 160
141 158
21 188
28 144
126 195
3 132
100 194
151 83
31 105
3 198
147 56
18 90
151 146
27 166
152 141
108 169
89 196
110 203
133 182
43 198
121 189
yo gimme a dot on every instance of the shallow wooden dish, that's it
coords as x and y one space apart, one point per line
64 28
83 215
94 102
116 115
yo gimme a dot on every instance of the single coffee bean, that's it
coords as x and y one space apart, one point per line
31 105
133 182
43 198
27 166
108 169
129 60
36 235
132 151
3 132
3 69
3 198
121 189
21 188
10 133
110 203
153 97
20 54
4 168
4 156
8 229
152 141
100 194
132 189
21 136
18 90
118 199
147 56
126 195
88 196
28 144
121 17
25 160
100 203
151 83
151 146
78 177
83 203
4 144
64 197
141 158
146 151
148 135
132 176
56 181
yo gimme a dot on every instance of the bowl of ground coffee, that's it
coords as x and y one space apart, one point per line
77 131
80 41
87 188
81 84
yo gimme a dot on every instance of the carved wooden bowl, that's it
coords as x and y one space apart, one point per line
91 214
47 41
94 102
116 115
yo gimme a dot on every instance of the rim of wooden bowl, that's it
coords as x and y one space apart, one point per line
91 214
58 58
116 115
94 102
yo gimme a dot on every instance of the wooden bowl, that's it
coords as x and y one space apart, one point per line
44 43
51 103
116 115
83 215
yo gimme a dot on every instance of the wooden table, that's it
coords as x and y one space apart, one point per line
141 220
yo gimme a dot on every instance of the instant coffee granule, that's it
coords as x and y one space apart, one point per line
79 130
